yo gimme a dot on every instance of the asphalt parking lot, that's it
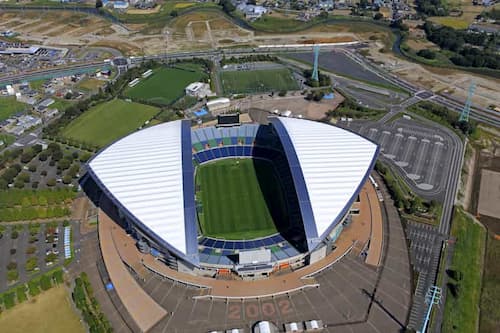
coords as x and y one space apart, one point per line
21 245
420 153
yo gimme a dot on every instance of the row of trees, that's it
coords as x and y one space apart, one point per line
444 115
33 288
30 198
84 299
471 49
249 58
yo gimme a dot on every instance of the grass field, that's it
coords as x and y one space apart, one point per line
166 85
461 313
490 295
235 82
91 84
51 311
9 106
108 121
241 198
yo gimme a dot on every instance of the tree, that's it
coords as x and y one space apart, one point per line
98 4
174 13
378 16
67 179
426 53
227 6
51 182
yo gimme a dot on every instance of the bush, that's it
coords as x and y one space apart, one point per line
32 167
31 264
34 288
11 265
51 182
31 250
9 300
426 53
21 294
45 282
12 275
14 234
67 179
58 276
282 93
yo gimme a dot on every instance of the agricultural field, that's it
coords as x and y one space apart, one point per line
9 106
236 196
251 81
51 311
464 289
166 85
108 122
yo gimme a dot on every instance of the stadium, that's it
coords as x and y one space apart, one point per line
248 199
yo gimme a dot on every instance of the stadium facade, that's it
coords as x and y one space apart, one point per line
147 181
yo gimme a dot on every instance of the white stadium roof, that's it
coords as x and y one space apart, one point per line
334 163
144 172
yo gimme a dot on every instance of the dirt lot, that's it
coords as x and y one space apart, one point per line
489 194
294 102
453 82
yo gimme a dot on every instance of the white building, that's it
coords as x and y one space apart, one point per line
218 105
199 90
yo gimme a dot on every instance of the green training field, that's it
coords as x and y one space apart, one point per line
106 122
240 198
461 310
235 82
9 106
166 85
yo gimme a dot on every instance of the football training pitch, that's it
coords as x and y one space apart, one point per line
240 198
252 81
106 122
166 84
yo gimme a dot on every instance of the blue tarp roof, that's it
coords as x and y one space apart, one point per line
201 112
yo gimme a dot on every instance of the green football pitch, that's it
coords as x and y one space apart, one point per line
240 199
258 81
166 84
106 122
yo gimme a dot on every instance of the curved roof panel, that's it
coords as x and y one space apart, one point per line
334 163
144 172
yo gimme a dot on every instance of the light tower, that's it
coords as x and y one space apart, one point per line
464 116
315 75
432 298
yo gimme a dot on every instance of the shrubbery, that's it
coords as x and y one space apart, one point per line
86 302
